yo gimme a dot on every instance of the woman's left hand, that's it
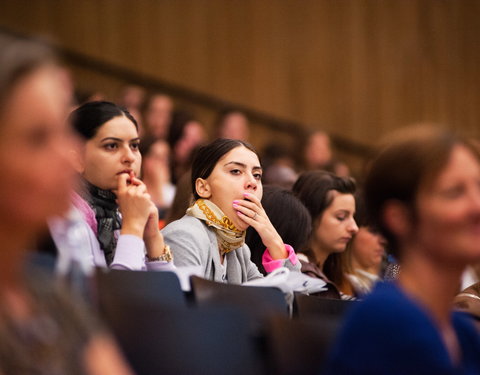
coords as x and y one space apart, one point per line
252 213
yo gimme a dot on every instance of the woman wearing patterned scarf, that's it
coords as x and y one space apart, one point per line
227 187
119 210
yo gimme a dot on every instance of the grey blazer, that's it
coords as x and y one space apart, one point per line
193 243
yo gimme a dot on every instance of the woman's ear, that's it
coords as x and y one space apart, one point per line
203 188
397 218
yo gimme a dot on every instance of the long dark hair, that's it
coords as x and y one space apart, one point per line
314 189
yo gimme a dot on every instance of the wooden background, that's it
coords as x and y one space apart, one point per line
355 68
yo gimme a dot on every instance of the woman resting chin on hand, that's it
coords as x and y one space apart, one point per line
227 186
114 202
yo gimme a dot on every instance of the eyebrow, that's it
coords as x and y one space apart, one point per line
118 139
344 211
243 165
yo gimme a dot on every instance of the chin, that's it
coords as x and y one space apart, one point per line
242 227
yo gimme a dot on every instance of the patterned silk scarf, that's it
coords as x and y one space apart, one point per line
228 236
108 218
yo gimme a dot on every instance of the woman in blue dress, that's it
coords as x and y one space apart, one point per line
423 193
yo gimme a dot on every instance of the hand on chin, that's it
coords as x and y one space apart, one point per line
239 223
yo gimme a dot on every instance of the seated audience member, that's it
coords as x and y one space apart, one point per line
363 259
331 203
317 151
42 329
185 135
233 124
156 173
157 115
288 216
132 97
337 167
112 199
279 166
423 193
226 182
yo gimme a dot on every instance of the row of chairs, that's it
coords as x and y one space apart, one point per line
216 328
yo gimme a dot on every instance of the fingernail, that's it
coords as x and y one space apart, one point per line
235 202
246 194
235 205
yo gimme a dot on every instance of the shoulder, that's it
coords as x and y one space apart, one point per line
85 210
386 308
187 224
189 230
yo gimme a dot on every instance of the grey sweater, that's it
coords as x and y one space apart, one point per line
193 243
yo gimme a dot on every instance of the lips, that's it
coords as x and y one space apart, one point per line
127 171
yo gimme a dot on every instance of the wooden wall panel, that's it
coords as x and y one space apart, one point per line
358 68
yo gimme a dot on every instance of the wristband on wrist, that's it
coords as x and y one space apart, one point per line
165 257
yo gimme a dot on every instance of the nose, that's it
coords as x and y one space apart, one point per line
251 183
128 157
352 227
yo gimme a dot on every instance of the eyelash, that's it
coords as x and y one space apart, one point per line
110 146
114 146
235 172
135 146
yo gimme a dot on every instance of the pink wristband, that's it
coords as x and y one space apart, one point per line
272 264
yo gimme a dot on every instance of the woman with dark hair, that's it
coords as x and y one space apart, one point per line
156 173
294 227
331 203
362 260
226 183
185 135
119 209
42 329
423 194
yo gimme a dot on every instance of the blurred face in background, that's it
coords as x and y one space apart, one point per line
158 116
155 165
235 126
368 249
35 142
318 152
193 136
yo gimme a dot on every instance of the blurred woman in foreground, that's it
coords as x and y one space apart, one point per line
41 330
423 192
